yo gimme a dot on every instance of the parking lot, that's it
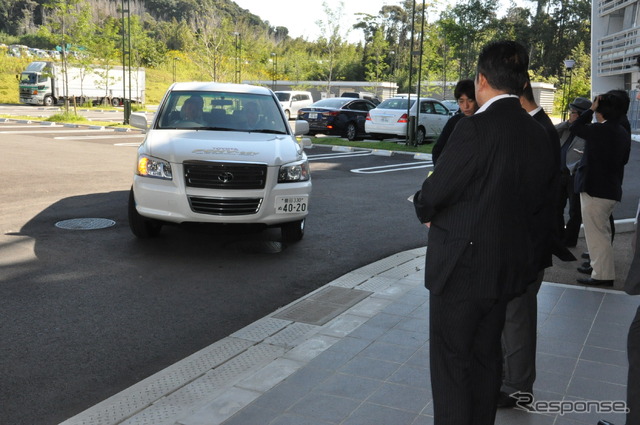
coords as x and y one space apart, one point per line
91 312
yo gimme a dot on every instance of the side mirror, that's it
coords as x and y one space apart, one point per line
139 120
302 127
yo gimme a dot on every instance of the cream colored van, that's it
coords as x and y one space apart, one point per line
291 101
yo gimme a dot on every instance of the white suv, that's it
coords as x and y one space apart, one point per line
292 101
220 153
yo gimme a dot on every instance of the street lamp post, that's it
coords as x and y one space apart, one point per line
275 70
238 47
175 59
568 65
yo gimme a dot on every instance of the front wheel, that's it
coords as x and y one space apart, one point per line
140 226
293 231
351 131
48 101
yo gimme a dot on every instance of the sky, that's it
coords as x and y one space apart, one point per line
300 16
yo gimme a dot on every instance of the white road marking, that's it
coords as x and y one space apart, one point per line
89 137
392 168
338 155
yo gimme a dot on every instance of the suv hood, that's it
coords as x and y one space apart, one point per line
177 146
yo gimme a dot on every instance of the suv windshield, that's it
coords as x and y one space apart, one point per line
283 97
224 111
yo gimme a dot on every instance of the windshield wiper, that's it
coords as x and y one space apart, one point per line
214 128
266 130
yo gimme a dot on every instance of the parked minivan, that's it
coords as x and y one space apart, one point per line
291 101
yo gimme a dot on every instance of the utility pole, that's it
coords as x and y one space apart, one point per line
126 50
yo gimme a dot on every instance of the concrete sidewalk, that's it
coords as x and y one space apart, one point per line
355 352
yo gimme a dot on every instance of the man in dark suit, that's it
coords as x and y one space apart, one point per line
483 204
632 287
599 179
519 335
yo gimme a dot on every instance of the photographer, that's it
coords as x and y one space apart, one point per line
599 178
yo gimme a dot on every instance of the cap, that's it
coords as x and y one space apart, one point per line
580 103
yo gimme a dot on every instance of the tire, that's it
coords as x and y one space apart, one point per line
292 231
140 226
49 101
420 136
351 132
115 101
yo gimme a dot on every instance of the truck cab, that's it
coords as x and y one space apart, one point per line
36 85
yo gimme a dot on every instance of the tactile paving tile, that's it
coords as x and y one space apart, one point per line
261 329
136 398
404 269
203 390
376 283
287 336
350 280
385 264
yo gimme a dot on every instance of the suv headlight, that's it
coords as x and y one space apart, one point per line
154 167
295 172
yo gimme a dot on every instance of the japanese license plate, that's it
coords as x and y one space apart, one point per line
291 204
313 115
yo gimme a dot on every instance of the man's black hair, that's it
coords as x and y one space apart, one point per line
465 87
504 64
613 104
527 92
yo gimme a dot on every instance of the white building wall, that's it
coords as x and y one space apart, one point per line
615 47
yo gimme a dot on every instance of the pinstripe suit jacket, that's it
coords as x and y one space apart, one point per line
485 201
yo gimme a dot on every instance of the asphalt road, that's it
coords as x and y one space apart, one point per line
87 313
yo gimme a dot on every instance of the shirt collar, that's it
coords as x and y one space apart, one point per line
493 99
535 111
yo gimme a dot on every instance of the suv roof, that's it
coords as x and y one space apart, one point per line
208 86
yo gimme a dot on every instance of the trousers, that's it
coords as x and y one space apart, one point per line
597 232
519 337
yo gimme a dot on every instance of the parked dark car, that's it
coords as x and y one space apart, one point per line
339 116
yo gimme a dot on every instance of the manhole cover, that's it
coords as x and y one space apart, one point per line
85 223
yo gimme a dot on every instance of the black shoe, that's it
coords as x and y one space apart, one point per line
594 282
562 253
586 264
601 422
505 401
585 270
585 255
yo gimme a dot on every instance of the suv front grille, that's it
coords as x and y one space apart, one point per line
225 206
221 175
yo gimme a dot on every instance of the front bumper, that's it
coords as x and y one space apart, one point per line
173 201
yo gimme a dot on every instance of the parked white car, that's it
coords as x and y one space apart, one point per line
390 118
292 101
220 153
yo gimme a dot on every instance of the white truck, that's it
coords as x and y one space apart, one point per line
43 83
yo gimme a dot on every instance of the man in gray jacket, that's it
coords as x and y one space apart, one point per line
571 149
